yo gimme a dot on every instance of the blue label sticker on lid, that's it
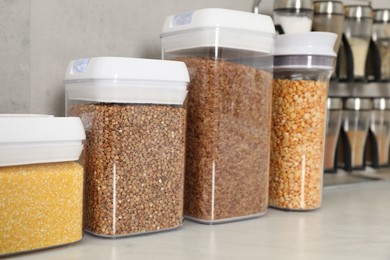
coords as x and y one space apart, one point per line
80 66
182 19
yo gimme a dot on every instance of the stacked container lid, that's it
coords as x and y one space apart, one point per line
41 185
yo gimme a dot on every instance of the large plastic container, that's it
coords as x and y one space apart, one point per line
41 184
229 56
302 67
134 115
355 126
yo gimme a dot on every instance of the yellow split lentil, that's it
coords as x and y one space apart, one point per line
40 206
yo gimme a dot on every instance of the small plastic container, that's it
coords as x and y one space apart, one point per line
134 115
355 125
229 56
41 184
293 16
381 36
329 17
358 29
303 64
380 133
333 125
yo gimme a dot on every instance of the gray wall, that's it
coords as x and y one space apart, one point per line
39 37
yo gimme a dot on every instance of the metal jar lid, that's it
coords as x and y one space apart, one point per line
334 103
328 7
381 103
358 104
382 15
358 11
293 4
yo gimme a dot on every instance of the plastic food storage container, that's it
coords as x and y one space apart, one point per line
41 184
380 132
229 56
358 30
355 125
134 115
381 36
333 125
329 17
303 64
293 16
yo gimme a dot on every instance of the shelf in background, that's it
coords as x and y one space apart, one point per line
337 89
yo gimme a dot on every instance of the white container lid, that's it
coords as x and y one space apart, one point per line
318 45
29 139
256 32
127 80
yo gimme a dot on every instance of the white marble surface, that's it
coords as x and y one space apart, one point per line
353 223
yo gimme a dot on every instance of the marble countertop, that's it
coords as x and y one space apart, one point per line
353 223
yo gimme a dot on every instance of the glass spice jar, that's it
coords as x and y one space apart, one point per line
381 36
380 132
333 124
355 125
329 17
303 64
358 29
293 16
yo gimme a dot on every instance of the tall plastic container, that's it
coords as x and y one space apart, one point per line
41 183
134 115
229 56
303 64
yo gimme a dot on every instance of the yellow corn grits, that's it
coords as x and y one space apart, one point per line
40 206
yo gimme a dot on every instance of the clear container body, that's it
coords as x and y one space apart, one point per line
298 136
41 206
333 124
380 128
358 33
355 126
134 165
293 20
228 131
